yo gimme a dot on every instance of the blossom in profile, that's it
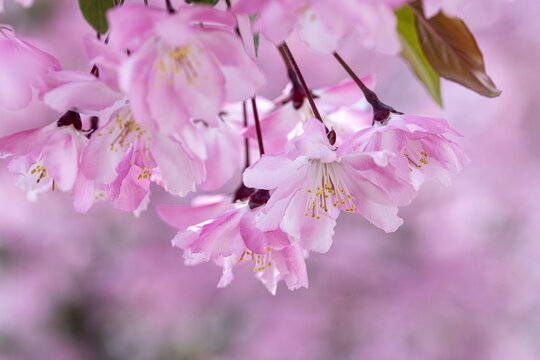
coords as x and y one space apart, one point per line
227 236
314 181
22 67
423 147
46 158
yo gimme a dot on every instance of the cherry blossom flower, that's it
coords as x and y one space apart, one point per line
314 181
422 147
182 65
227 236
324 24
22 67
46 158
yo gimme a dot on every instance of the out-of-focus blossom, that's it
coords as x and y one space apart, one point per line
449 7
323 24
179 69
22 67
421 145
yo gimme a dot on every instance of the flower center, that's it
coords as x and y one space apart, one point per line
126 133
39 171
183 60
416 158
38 175
328 189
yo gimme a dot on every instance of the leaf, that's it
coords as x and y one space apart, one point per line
452 51
94 13
412 53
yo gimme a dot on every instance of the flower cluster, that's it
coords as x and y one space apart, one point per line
172 99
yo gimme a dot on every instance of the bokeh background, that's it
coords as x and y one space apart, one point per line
459 280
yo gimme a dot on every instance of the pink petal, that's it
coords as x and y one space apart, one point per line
269 172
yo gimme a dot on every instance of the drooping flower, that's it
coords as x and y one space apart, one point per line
314 181
181 66
227 236
22 67
46 158
125 154
422 146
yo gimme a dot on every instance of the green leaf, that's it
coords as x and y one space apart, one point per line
203 2
452 51
413 54
94 13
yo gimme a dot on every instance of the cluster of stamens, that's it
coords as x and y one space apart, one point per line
182 60
129 133
39 169
124 124
261 261
146 173
331 191
422 159
98 195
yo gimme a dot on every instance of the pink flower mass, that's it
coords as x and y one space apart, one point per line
371 163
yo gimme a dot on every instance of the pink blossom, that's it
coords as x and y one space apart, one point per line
123 140
21 69
422 147
178 68
229 237
45 158
324 24
125 154
314 181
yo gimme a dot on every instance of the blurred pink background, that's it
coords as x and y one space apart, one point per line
459 280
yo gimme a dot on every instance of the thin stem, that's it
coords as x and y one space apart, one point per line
169 7
146 2
257 125
228 2
294 65
381 111
246 140
297 95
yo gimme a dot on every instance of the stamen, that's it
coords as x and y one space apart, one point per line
261 261
332 190
421 157
182 60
